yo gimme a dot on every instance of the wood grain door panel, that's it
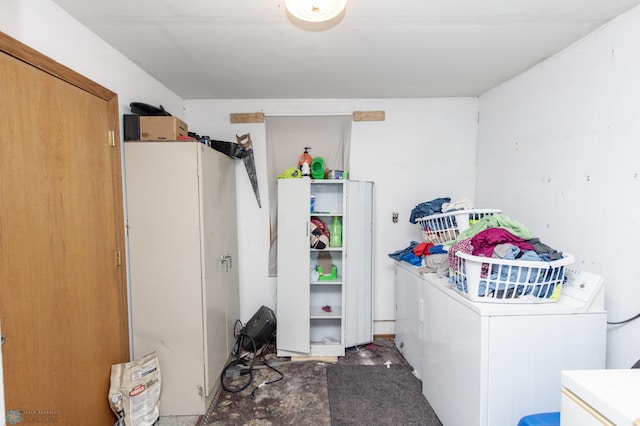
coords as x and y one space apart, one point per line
63 295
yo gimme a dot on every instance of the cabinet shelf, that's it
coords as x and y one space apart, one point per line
316 312
336 282
324 344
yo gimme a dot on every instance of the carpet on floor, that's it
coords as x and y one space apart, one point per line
377 395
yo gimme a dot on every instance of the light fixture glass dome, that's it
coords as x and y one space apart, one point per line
315 10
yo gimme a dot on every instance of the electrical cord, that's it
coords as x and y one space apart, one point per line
230 369
264 362
624 321
235 368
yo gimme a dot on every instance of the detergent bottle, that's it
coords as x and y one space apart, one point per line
335 230
305 157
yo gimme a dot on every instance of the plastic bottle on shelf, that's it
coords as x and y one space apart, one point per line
336 233
305 156
305 169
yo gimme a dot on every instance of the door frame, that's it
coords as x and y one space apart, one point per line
18 50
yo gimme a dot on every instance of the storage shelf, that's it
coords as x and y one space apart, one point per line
332 282
328 249
316 312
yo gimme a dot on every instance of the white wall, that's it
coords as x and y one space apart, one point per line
424 149
559 150
45 27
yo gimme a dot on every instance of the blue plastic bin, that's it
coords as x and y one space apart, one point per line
541 419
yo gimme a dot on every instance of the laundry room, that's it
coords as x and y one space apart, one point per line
531 112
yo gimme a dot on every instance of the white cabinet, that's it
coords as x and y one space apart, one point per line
600 397
500 362
321 317
182 232
409 316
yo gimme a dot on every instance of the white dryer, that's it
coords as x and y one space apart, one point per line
490 364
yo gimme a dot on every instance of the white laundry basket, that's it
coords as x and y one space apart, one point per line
486 279
442 227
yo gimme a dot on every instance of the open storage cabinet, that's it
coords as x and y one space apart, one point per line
304 327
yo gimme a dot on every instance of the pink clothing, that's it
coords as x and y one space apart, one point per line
463 246
484 242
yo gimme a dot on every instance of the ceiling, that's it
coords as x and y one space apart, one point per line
245 49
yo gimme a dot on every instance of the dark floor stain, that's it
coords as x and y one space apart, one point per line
300 398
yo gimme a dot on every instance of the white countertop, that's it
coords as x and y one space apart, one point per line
613 393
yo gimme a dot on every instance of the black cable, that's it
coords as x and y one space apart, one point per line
625 321
253 396
239 359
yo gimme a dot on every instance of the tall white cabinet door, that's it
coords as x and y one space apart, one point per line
219 256
165 267
293 266
358 286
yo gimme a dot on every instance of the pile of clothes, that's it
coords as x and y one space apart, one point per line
494 236
426 256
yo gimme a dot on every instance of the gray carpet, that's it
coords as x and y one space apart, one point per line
377 395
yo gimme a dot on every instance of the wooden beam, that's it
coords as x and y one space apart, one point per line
249 117
258 117
368 116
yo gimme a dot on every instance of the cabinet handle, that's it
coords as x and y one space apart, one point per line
226 259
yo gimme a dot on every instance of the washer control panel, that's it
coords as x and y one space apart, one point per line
584 286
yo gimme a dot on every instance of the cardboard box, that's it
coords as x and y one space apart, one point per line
162 128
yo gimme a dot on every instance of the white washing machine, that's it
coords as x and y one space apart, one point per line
490 364
409 314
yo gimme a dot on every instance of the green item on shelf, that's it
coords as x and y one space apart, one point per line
335 233
291 173
317 168
330 277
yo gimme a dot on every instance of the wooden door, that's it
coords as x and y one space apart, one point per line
62 286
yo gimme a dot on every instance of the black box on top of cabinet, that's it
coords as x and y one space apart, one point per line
131 126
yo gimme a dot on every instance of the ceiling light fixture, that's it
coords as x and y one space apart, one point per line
315 10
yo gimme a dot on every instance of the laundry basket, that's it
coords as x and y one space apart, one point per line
442 227
485 279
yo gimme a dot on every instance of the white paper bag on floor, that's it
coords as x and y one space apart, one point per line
134 395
